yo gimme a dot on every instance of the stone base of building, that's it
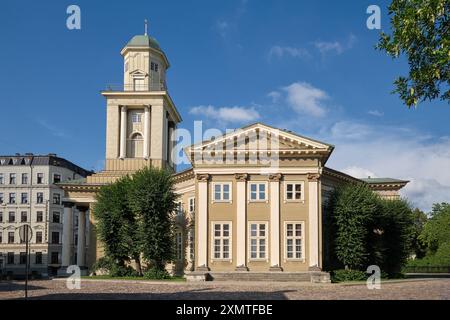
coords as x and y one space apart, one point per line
314 277
62 272
196 276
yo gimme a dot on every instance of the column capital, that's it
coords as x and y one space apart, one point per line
123 108
313 177
203 177
242 177
275 177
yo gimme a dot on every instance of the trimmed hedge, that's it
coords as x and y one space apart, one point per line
343 275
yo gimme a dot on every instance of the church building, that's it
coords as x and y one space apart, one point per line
250 207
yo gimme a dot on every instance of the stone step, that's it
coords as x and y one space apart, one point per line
260 276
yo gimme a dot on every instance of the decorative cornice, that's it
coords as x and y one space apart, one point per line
275 177
241 177
203 177
313 177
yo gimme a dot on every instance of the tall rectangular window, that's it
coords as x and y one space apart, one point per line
39 237
55 237
258 241
294 240
222 240
40 198
23 258
12 216
258 192
191 205
24 178
56 178
1 179
11 237
40 178
56 217
12 178
38 258
192 244
1 217
39 216
1 198
24 216
24 198
1 237
294 191
179 245
54 258
10 259
12 198
56 198
222 192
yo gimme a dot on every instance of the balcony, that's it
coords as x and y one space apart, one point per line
151 87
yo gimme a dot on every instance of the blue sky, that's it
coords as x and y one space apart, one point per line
308 66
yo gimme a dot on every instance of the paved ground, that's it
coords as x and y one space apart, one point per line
121 289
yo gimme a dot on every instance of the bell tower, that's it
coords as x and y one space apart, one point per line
141 115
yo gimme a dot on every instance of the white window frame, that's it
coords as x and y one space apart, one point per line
221 200
221 237
136 115
294 237
179 208
258 237
258 183
191 202
302 196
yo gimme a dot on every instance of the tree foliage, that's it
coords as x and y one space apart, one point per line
354 208
116 223
134 220
152 198
420 31
436 232
367 230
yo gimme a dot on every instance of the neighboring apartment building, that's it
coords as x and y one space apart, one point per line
29 195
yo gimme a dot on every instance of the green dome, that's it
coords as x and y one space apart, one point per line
144 41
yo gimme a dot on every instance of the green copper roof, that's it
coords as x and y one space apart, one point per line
144 41
382 180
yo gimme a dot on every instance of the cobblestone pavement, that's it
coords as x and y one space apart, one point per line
124 289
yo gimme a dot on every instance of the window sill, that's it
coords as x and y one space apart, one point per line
295 201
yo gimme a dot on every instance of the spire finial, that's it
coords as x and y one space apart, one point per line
146 26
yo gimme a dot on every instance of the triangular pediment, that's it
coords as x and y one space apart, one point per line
260 138
138 72
263 137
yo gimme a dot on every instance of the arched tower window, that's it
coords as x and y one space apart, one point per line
135 148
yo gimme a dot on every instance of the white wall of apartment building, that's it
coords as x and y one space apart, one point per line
29 195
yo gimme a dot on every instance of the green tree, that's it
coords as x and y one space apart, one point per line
152 198
397 225
353 210
436 232
116 224
420 31
420 219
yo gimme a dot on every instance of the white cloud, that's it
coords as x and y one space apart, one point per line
52 129
227 114
394 152
222 27
359 172
337 47
306 99
280 52
376 113
275 96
